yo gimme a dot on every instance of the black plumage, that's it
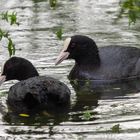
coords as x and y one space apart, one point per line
33 92
104 64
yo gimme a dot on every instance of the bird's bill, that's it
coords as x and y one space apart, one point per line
63 54
2 79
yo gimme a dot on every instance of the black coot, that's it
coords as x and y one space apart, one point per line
33 92
104 65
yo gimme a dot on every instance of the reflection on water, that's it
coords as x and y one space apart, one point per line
35 39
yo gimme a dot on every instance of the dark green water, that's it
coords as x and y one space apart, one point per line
35 39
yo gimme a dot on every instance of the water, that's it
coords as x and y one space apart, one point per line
36 40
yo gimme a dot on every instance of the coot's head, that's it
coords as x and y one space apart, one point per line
80 48
17 68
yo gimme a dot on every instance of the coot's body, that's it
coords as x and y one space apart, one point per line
33 92
38 93
116 63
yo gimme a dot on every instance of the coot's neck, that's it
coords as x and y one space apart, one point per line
84 66
92 60
91 57
88 55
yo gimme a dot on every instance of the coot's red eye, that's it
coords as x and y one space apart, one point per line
73 45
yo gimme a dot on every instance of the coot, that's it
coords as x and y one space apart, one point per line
104 64
33 92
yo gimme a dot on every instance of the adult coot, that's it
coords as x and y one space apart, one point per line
105 64
33 91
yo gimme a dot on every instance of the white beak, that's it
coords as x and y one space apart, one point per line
2 79
63 54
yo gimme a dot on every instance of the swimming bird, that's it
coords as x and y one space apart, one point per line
32 92
104 64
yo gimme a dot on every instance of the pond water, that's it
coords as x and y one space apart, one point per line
105 113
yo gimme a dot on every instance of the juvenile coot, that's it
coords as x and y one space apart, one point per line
105 64
33 91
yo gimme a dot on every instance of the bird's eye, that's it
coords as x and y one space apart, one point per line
73 45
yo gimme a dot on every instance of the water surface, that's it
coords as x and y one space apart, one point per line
35 39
